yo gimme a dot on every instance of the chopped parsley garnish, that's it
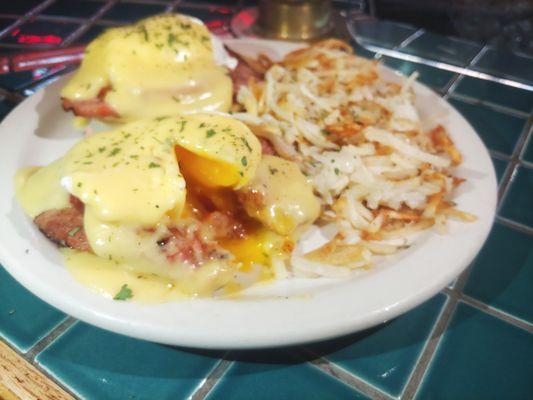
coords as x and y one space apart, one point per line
73 231
134 156
171 39
246 144
114 152
88 162
202 125
124 293
210 132
79 184
143 30
176 99
183 123
153 165
325 132
244 161
101 149
337 171
273 171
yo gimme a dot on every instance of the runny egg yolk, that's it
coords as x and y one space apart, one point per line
206 171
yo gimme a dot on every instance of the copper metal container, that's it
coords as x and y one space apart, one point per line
294 19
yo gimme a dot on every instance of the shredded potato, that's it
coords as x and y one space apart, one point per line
359 139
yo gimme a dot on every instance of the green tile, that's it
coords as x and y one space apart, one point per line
496 93
499 131
5 107
19 6
434 77
502 277
130 12
480 357
97 364
518 202
91 34
5 22
73 8
500 167
507 64
381 33
443 48
386 355
277 375
24 319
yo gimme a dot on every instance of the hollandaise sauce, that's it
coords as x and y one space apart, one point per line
162 65
148 191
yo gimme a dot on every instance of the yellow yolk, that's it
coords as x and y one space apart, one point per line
211 173
162 65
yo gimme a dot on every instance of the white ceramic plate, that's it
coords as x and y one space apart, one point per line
287 312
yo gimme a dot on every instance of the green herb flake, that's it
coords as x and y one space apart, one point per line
73 231
88 162
273 171
171 38
101 149
210 132
244 161
79 184
337 171
134 156
124 293
202 125
325 132
114 152
143 30
183 123
153 165
246 144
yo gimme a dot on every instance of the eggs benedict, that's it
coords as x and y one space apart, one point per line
163 65
186 199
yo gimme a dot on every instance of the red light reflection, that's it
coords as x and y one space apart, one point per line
41 39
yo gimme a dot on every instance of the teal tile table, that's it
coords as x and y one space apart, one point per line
474 340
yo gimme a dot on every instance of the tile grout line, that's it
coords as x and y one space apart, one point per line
211 379
350 379
514 163
49 338
448 66
174 4
528 230
428 352
496 107
35 10
499 155
84 27
454 82
488 309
